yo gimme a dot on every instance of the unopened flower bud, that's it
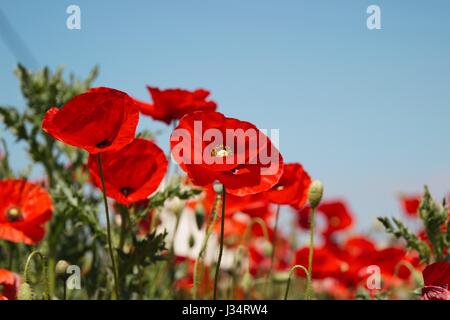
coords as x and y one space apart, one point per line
25 292
61 269
218 187
267 249
280 277
175 205
315 193
246 281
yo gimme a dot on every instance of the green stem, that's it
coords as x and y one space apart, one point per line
290 275
64 290
309 291
274 245
108 227
222 232
12 251
171 262
124 214
209 230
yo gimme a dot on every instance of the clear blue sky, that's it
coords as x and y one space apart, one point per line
365 111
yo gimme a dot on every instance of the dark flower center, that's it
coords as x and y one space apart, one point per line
103 144
13 214
125 191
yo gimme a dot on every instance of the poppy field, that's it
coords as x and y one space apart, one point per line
108 214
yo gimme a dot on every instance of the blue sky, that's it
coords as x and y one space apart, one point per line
365 111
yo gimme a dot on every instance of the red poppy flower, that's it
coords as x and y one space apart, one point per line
410 204
24 208
173 104
234 204
292 189
336 212
325 262
10 283
210 147
99 120
132 173
436 279
338 216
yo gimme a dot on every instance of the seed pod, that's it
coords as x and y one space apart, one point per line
315 193
247 281
218 187
267 249
61 269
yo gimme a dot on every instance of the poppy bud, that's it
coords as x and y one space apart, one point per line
246 281
218 187
315 193
280 277
267 249
25 292
176 205
61 269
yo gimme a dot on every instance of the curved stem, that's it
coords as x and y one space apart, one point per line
27 270
108 227
236 263
248 229
407 265
309 291
222 232
209 230
290 275
274 245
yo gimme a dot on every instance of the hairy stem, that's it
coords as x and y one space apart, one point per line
108 228
222 231
290 276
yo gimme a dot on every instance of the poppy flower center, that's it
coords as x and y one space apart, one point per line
13 214
125 191
344 267
334 221
221 151
103 144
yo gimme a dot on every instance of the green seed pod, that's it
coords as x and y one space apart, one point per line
61 269
315 193
25 292
247 281
280 277
267 249
218 187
